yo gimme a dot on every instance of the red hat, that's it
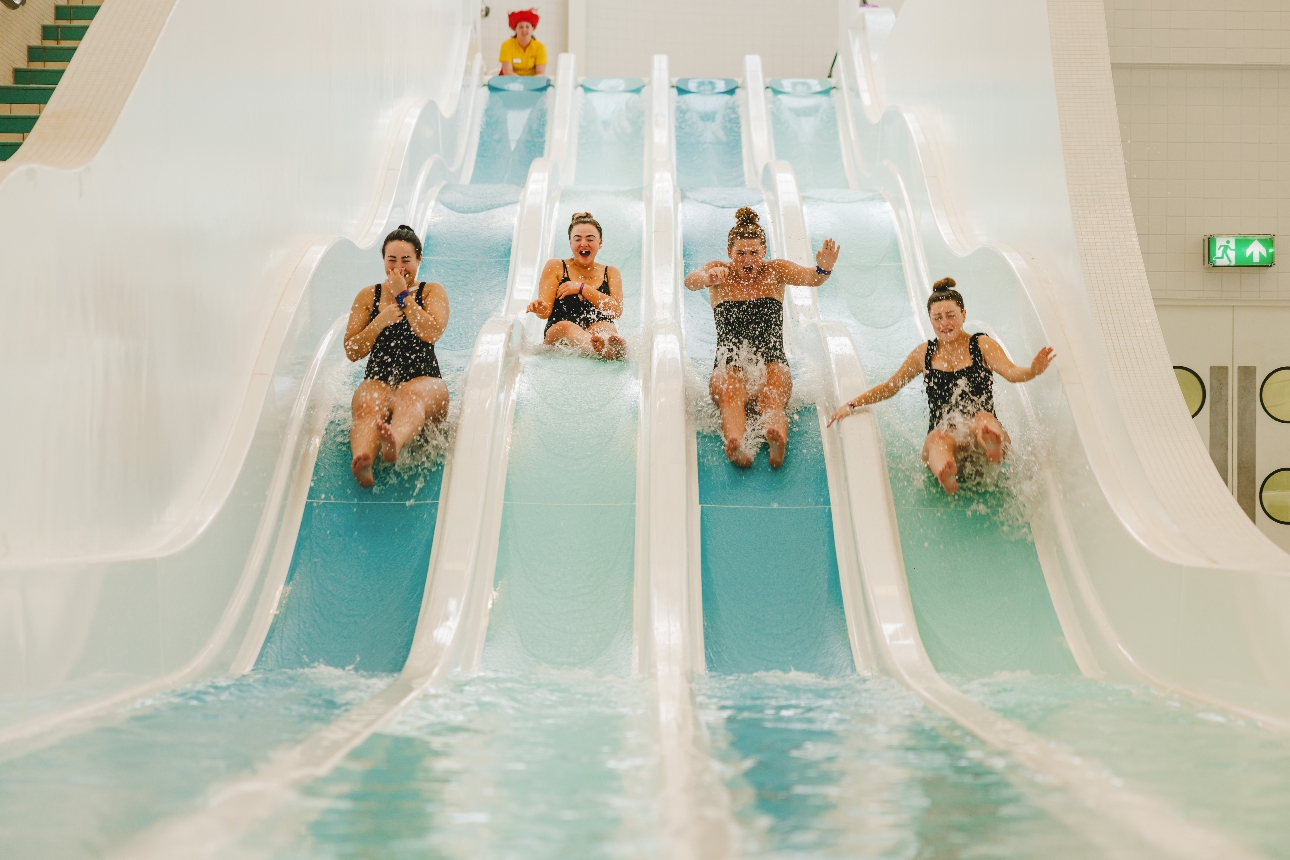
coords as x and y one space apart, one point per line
514 19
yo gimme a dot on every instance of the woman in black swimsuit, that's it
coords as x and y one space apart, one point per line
395 324
578 299
959 376
747 293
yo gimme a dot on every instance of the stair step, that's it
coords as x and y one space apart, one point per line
63 32
50 53
8 149
18 94
48 77
18 123
75 13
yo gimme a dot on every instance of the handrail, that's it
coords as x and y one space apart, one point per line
12 4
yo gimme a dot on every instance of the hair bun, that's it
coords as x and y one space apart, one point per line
746 215
943 284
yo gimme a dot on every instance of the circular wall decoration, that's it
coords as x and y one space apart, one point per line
1274 394
1193 388
1274 496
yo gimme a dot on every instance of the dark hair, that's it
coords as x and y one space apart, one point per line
403 234
585 218
746 227
943 291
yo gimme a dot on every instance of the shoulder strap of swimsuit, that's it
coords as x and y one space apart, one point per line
376 302
564 264
605 282
974 349
421 291
927 359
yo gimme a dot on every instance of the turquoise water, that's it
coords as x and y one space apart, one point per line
547 763
709 144
611 140
84 796
805 130
512 134
827 768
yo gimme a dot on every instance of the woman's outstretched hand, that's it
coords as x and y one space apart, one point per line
1042 359
843 411
716 274
539 307
828 255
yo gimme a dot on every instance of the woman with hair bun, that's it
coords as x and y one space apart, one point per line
580 300
747 293
959 370
522 54
395 324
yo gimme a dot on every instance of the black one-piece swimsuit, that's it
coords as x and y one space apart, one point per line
573 309
958 393
398 354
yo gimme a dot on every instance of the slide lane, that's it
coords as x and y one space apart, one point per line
547 749
103 786
820 761
975 580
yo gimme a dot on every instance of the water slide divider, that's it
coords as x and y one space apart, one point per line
454 612
427 149
1112 555
879 611
668 617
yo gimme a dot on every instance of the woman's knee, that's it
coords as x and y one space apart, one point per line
563 330
727 382
371 399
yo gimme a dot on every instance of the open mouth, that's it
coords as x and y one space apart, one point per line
585 252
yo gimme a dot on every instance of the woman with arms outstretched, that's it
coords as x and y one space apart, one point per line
579 299
747 293
959 370
395 324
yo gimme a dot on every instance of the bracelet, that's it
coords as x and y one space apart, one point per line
580 286
401 297
825 272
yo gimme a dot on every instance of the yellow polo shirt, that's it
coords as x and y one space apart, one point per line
523 60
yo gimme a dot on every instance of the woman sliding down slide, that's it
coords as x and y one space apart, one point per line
396 324
580 300
747 293
959 380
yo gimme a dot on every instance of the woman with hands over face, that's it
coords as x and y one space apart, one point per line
395 324
959 378
747 293
579 299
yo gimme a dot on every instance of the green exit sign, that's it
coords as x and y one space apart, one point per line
1240 251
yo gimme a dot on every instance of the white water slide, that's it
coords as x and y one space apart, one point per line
183 556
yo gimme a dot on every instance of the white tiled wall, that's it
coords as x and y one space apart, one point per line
1203 94
794 39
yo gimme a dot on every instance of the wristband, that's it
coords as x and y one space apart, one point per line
825 272
580 286
401 297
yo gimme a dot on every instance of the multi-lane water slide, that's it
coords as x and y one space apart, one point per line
822 753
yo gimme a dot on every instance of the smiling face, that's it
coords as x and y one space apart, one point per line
947 319
747 256
524 32
584 242
403 257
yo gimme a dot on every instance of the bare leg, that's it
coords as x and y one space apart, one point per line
573 335
770 403
731 396
938 454
370 405
417 401
990 435
607 342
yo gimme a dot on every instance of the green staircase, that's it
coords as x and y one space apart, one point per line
22 102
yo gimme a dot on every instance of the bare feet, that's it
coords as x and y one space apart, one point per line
598 345
948 476
615 349
992 442
736 453
389 445
362 469
777 437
